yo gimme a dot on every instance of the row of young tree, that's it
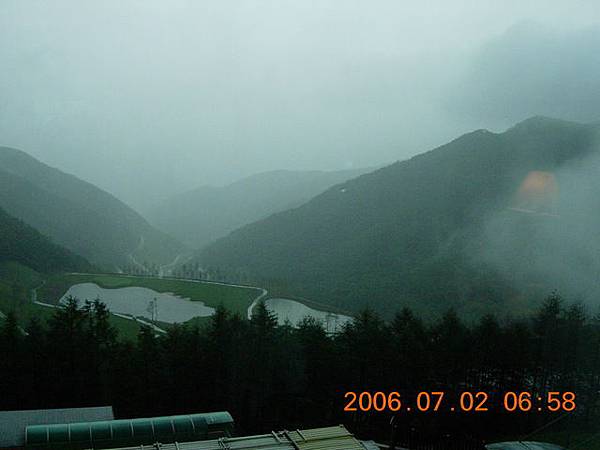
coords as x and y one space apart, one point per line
190 271
281 377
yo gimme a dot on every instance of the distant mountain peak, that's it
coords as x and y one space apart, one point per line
411 233
205 214
541 122
78 215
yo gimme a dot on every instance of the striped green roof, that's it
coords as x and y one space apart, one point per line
118 433
14 423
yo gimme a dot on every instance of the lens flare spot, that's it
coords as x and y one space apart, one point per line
538 194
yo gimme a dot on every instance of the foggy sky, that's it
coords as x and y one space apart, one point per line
149 98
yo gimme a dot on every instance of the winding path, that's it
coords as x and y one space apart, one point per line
263 294
138 248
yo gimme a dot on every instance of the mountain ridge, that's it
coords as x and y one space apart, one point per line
378 239
77 214
204 214
25 245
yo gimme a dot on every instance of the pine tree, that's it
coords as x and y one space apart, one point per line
11 347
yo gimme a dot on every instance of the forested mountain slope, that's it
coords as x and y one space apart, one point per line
202 215
22 244
78 215
471 224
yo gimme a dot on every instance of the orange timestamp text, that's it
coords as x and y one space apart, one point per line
467 401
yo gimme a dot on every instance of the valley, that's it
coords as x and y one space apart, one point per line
135 301
217 211
451 228
80 216
488 230
279 223
428 263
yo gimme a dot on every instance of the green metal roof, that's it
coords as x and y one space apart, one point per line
115 433
13 423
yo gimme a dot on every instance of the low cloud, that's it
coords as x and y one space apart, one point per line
532 70
553 242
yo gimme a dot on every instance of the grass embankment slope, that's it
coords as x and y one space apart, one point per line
16 281
235 298
64 208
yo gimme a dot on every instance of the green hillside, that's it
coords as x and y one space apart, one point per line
27 259
16 284
22 244
424 232
202 215
78 215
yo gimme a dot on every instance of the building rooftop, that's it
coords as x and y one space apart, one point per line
330 438
13 423
129 432
523 445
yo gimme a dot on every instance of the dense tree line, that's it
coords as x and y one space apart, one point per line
190 271
276 377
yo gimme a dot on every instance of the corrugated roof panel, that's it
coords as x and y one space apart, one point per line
330 438
268 441
321 433
262 442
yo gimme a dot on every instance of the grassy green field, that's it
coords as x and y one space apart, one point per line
50 290
16 282
236 299
25 311
128 329
13 272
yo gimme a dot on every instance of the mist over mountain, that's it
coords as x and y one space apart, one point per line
78 215
182 94
22 244
466 225
370 224
202 215
531 69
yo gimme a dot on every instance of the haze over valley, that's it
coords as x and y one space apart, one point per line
499 220
205 214
224 218
149 101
